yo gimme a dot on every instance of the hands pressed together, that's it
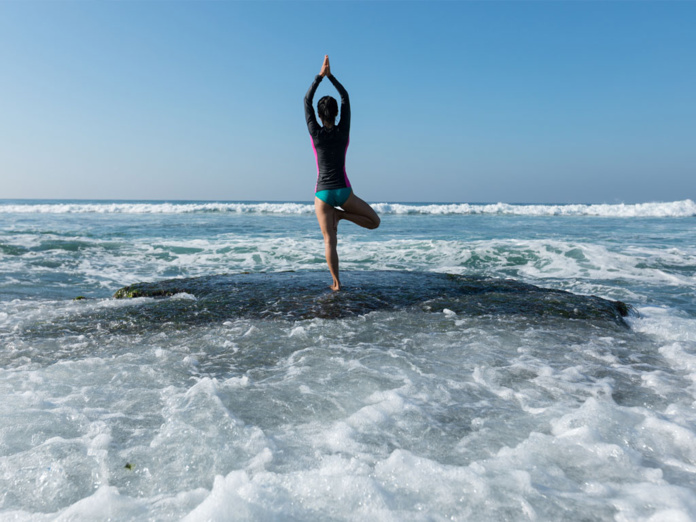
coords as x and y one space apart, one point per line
325 67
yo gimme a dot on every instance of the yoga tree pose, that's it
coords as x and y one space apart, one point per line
330 144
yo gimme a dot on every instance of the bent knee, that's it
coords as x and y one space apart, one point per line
375 222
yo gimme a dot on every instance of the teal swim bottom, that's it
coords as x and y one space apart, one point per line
335 197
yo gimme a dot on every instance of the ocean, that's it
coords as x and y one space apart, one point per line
170 408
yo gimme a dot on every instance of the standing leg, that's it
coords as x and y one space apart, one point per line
357 211
328 222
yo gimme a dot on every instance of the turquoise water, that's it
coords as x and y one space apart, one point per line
392 415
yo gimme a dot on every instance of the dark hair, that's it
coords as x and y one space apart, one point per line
327 108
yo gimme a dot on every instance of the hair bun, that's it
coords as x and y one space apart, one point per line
327 107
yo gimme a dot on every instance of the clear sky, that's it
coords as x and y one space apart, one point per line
564 102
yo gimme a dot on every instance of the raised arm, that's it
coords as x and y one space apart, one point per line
310 116
344 122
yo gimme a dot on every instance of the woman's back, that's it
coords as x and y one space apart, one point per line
330 143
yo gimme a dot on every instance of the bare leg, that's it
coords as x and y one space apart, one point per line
328 222
357 211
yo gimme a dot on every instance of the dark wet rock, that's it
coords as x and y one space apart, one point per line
304 295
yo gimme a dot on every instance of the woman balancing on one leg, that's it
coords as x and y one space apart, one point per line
330 143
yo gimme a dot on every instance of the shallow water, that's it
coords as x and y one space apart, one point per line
393 414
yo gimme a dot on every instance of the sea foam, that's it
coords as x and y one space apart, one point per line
684 208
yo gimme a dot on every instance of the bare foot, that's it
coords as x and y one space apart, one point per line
336 286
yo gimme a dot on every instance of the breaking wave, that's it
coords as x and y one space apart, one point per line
684 208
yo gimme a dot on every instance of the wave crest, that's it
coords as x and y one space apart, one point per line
685 208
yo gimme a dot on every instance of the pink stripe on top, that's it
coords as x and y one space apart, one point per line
316 159
345 174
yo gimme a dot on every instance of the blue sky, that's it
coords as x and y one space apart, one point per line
566 102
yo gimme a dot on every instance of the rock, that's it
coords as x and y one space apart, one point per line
304 295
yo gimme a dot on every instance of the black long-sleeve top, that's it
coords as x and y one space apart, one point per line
330 145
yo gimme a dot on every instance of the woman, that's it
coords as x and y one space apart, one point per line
330 144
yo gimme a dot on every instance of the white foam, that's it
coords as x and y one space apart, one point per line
350 427
105 504
684 208
155 208
591 455
665 325
183 296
